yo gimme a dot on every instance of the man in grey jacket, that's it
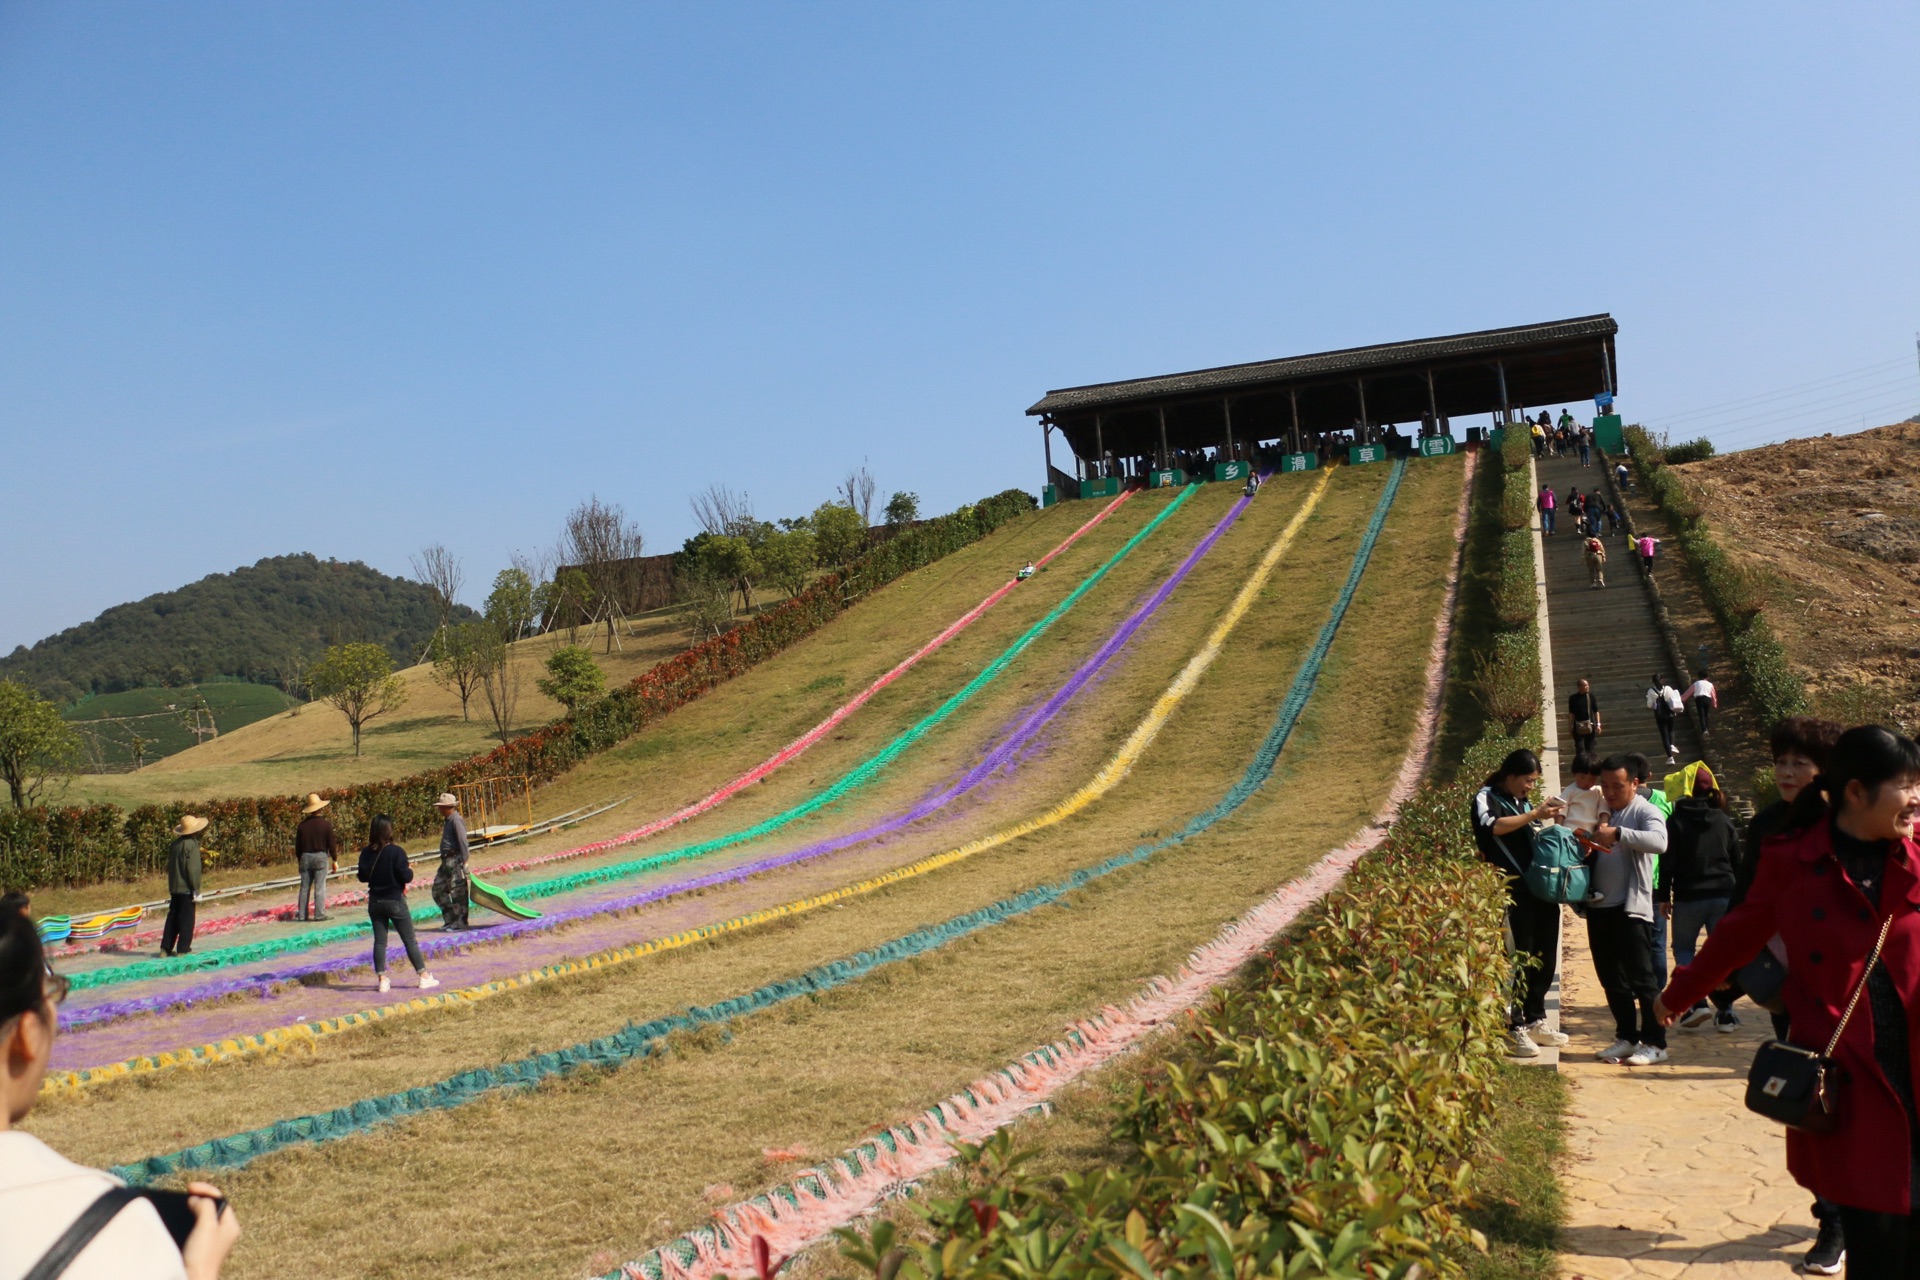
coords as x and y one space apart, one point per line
450 881
1631 834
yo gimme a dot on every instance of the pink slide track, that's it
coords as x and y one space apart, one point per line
786 755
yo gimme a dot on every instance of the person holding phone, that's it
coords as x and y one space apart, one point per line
1503 818
50 1206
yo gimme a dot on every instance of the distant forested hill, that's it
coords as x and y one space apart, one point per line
245 624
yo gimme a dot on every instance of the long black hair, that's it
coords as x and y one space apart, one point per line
23 960
1520 763
380 835
1866 754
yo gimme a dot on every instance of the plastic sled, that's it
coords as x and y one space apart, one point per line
482 894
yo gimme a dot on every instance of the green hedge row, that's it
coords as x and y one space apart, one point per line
1736 599
1506 678
94 843
1318 1120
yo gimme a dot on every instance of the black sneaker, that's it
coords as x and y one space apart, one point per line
1724 1022
1829 1253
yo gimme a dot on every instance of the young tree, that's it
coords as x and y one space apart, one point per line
510 603
839 533
438 570
36 745
572 678
903 508
460 658
597 539
500 683
565 600
358 681
857 492
787 557
708 601
721 511
732 560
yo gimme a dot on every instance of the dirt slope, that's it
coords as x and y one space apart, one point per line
1831 527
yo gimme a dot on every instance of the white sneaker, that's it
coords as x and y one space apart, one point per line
1544 1034
386 984
1523 1045
1644 1055
428 981
1616 1051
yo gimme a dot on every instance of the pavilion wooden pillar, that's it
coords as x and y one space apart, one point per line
1046 446
1606 369
1165 461
1293 399
1099 450
1226 408
1366 427
1506 405
1433 404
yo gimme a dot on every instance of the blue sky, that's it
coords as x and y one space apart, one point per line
354 278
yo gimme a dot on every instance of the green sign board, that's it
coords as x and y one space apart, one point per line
1435 446
1050 495
1359 453
1168 479
1299 462
1235 470
1608 434
1105 488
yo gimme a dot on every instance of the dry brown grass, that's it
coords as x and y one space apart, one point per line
541 1184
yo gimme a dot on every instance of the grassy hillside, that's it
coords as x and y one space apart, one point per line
246 624
109 722
655 1139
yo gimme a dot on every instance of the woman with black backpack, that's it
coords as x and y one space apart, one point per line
1503 818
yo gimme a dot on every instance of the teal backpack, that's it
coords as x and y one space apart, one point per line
1559 871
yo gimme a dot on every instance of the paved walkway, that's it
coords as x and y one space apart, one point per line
1669 1174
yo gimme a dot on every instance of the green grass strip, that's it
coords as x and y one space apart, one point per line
859 776
640 1040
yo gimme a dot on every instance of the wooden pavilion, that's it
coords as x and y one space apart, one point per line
1300 404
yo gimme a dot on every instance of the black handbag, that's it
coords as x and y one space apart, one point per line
1801 1088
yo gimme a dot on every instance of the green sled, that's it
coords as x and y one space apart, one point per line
482 894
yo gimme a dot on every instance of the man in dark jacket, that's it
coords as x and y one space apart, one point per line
183 886
1697 886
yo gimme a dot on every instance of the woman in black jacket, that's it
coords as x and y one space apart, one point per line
384 866
1503 817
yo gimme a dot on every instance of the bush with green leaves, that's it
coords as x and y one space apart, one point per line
1516 600
1506 681
359 682
903 508
572 678
839 532
1318 1120
37 747
1687 451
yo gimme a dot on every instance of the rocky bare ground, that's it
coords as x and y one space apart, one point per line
1830 527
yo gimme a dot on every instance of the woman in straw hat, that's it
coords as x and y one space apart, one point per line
183 886
317 850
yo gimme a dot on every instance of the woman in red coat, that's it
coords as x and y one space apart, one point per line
1847 862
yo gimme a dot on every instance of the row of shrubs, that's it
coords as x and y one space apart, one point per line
95 843
1737 600
1507 675
1318 1119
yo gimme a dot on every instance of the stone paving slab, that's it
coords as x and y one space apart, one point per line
1668 1174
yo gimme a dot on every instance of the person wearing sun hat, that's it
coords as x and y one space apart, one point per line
317 850
450 892
183 886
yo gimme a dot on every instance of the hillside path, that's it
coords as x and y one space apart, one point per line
1669 1174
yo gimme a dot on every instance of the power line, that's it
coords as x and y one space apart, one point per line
1902 386
1791 390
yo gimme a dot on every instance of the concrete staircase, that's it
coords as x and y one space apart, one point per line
1608 637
